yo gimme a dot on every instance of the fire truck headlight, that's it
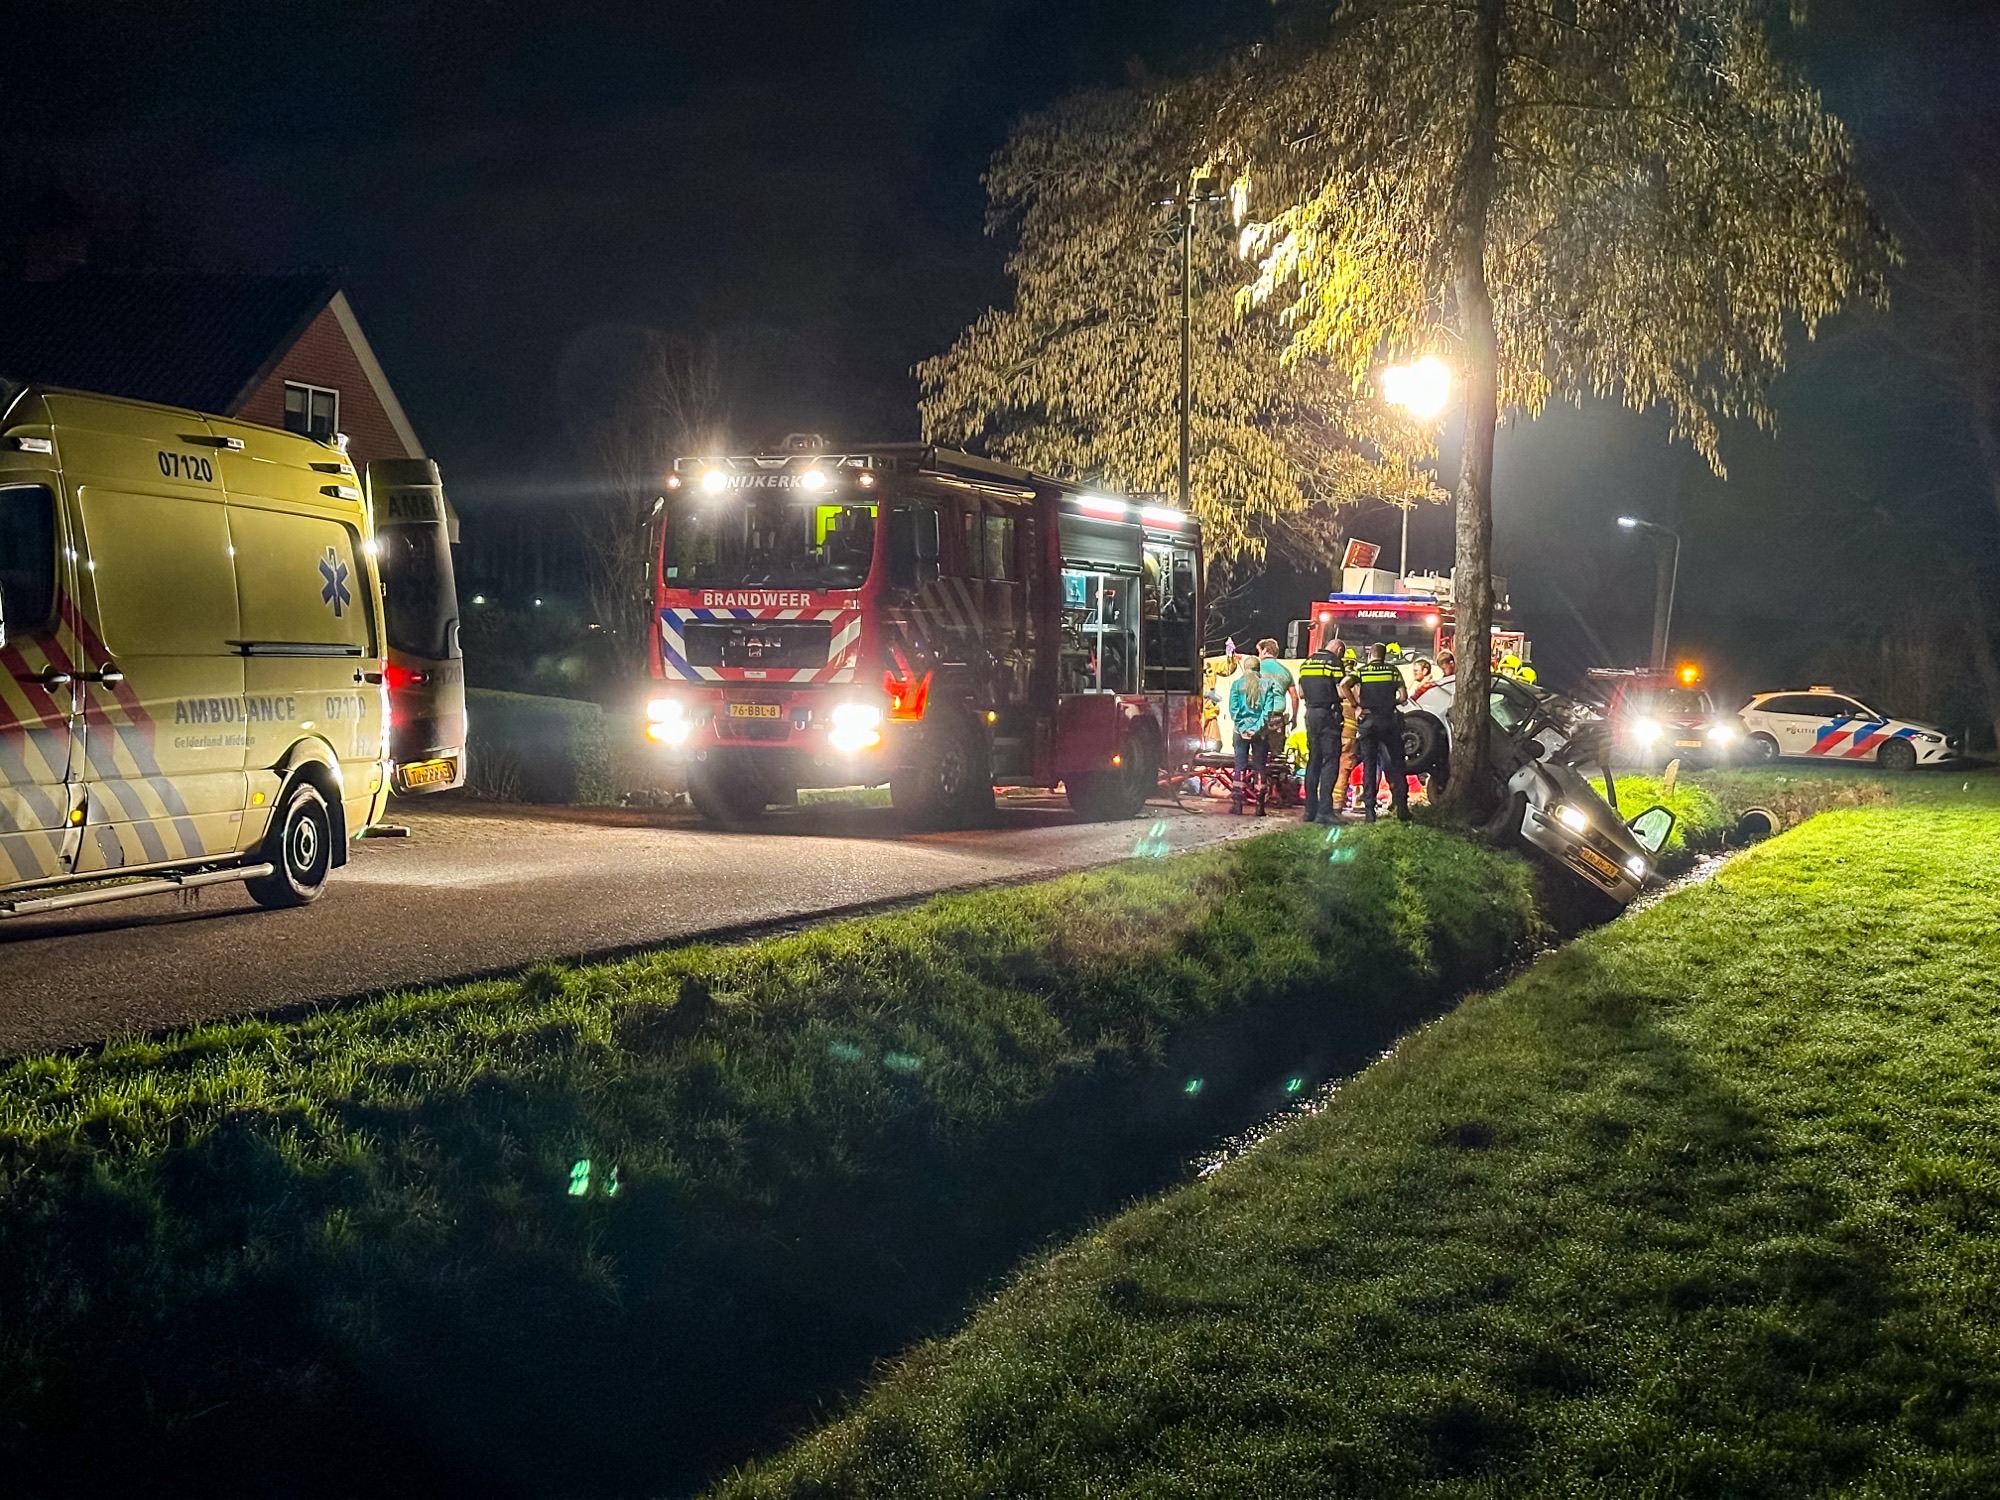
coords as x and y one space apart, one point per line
813 479
669 721
1645 731
1572 817
856 726
714 481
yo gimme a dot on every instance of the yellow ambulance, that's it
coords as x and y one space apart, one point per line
191 655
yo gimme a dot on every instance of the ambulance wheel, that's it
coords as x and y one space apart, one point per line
1760 750
300 847
726 801
1898 756
951 781
1423 744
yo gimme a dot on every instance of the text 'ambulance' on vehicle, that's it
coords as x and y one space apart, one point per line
192 677
905 614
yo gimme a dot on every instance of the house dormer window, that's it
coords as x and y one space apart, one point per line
312 410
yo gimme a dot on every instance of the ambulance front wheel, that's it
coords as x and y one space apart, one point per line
300 850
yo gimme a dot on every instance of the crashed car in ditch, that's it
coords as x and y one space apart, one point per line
1541 741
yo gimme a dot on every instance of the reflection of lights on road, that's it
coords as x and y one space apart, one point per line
902 1062
1293 1085
1191 1087
579 1178
843 1052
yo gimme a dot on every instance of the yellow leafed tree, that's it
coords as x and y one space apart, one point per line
1081 376
1629 198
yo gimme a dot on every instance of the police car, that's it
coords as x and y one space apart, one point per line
1821 724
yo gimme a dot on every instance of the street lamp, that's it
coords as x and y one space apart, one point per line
1200 188
1669 579
1423 389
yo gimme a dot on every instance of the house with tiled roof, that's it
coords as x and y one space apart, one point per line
285 350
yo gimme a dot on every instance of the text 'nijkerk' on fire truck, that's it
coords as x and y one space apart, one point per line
903 614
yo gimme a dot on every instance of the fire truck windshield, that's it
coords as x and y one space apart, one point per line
767 539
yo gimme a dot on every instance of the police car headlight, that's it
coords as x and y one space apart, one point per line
856 726
1572 817
1931 739
1721 734
1636 867
1645 731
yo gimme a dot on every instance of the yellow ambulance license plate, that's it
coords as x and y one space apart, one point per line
430 772
1591 859
754 711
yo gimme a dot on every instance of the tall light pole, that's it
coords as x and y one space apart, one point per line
1667 581
1199 189
1423 389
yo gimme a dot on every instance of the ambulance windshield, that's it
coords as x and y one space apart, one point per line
767 540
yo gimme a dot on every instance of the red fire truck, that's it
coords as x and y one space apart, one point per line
1414 614
905 614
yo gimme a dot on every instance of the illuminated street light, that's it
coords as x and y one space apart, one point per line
1422 388
1669 582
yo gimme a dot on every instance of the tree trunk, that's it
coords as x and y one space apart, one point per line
1472 587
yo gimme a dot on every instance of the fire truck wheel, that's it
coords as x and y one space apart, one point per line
300 846
951 781
1107 796
1760 750
726 801
1423 744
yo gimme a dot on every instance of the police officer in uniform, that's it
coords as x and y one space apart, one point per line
1319 686
1379 735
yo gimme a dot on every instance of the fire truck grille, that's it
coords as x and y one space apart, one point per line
754 729
780 645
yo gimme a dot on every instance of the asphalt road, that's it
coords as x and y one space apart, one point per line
480 890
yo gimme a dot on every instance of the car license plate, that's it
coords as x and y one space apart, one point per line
754 711
1687 744
420 773
1591 859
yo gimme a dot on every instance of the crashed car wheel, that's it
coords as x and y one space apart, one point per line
1423 744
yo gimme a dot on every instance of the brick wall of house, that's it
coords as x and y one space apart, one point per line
323 357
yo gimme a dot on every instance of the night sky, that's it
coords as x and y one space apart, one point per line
504 183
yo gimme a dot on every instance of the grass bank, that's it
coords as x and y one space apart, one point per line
1703 1204
608 1229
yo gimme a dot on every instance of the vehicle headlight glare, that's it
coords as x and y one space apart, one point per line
666 710
714 481
813 479
856 726
1572 817
1722 734
1636 867
1645 731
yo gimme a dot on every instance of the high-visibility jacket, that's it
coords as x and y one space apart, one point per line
1319 680
1380 685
